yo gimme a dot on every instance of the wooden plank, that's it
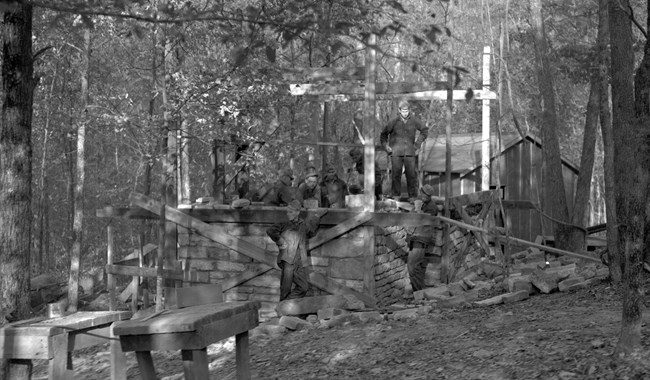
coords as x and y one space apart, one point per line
24 347
516 240
211 232
110 279
333 287
128 291
195 364
311 74
338 230
370 121
187 319
133 257
242 356
172 274
124 212
271 214
75 321
117 357
418 95
360 88
145 365
58 362
177 298
244 276
19 369
526 175
204 334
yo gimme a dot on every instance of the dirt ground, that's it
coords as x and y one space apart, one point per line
556 336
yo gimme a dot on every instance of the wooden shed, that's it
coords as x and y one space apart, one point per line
518 164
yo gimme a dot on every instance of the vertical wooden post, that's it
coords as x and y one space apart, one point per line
159 261
184 195
485 112
110 278
218 171
369 124
313 134
444 267
325 151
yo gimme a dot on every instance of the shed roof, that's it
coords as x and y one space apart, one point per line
466 151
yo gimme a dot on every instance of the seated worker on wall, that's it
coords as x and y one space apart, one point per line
282 191
357 159
291 237
333 189
421 241
309 192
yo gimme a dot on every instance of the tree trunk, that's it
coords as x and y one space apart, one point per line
577 237
554 190
631 176
77 226
169 158
16 164
42 248
613 249
16 161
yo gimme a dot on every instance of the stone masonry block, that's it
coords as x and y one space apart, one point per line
330 312
515 297
564 284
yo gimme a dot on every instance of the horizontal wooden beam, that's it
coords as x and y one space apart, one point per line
395 88
271 214
172 274
420 95
325 74
558 251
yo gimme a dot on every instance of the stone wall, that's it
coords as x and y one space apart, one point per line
346 260
370 260
391 275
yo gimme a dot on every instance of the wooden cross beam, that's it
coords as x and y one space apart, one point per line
412 91
219 235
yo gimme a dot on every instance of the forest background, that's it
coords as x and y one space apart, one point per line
120 86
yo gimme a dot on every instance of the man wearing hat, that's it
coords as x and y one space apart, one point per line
309 193
291 237
333 189
421 241
398 138
282 192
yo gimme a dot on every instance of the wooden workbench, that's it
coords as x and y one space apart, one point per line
191 330
55 339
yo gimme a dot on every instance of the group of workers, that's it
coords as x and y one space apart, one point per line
399 139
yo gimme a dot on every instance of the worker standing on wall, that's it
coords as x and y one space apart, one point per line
291 237
398 138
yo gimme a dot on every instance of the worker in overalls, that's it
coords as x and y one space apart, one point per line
421 241
291 237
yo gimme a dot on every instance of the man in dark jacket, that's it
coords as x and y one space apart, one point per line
309 191
421 241
291 237
282 191
333 189
398 138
